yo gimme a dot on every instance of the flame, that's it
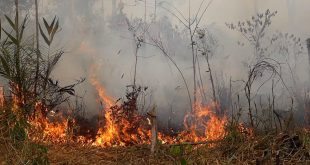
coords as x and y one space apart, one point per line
17 99
107 134
204 124
54 132
51 131
2 96
207 126
118 129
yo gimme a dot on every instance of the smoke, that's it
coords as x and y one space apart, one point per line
94 38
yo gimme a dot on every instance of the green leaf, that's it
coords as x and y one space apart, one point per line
183 161
0 29
44 36
54 30
5 52
159 142
53 22
175 150
22 29
10 22
14 40
48 28
5 66
19 132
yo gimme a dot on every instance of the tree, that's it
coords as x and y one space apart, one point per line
261 64
192 26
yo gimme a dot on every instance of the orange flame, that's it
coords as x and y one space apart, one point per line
205 125
54 132
106 135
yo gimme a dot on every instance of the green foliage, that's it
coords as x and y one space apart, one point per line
16 61
233 134
0 29
159 142
176 150
25 73
29 80
183 161
11 22
19 131
14 140
254 31
51 30
39 154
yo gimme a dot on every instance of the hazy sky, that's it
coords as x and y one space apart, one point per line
293 14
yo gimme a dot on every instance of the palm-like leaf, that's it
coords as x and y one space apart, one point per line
23 28
13 39
11 22
47 41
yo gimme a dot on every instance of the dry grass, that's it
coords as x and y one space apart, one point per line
268 149
75 154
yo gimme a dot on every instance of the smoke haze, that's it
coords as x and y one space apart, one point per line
96 48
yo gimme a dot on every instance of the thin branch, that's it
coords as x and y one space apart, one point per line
176 9
205 10
174 16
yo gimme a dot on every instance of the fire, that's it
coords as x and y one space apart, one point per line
119 126
204 124
56 131
107 134
122 125
118 129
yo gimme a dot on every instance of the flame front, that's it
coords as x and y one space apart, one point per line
206 126
117 129
108 134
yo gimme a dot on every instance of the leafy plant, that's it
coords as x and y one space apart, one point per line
29 83
176 150
14 140
51 30
261 65
254 31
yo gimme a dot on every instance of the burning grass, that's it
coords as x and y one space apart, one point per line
122 127
209 139
32 133
124 136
